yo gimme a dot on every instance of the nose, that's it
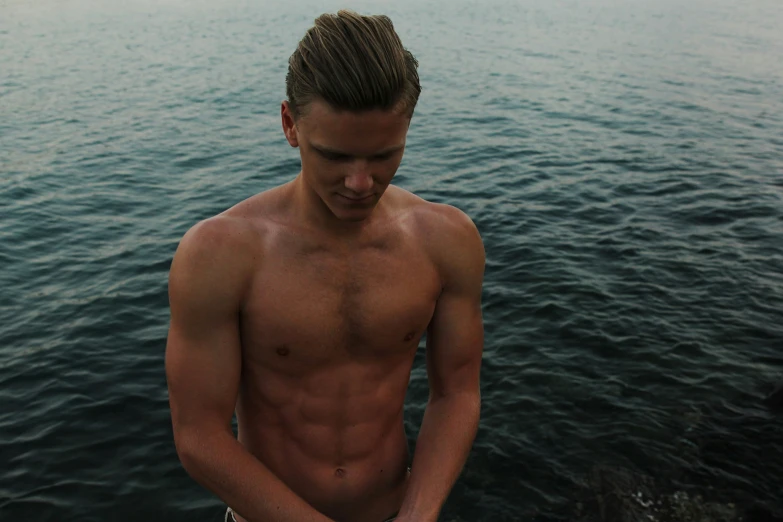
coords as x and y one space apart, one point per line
359 180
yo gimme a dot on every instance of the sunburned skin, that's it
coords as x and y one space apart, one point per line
328 339
301 309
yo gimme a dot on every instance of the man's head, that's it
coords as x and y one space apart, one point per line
352 89
353 63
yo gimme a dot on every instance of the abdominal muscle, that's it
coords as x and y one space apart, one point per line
335 435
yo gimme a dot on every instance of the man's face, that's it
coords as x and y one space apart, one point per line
348 158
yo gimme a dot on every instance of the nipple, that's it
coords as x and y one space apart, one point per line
408 337
283 351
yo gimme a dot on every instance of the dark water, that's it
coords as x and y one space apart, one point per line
622 159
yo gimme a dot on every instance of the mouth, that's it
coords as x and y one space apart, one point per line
363 199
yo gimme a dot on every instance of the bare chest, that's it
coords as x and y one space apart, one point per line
318 308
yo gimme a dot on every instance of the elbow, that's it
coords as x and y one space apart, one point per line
187 447
467 393
474 402
194 448
465 400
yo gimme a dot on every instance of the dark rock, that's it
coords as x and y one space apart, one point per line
774 400
760 512
620 495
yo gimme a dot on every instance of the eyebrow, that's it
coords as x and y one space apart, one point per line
334 152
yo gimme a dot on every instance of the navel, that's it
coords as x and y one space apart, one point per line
339 473
283 351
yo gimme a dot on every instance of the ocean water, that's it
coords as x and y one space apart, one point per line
623 160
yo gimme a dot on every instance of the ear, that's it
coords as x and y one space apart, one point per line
289 124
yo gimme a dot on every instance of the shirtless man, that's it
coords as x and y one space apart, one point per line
301 308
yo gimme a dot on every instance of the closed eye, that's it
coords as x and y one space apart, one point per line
382 157
332 156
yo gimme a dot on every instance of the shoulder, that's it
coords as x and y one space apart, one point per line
214 259
230 239
429 217
216 240
448 235
448 226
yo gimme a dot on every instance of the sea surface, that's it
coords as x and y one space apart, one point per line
622 159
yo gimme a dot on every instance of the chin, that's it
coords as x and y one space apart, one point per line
352 214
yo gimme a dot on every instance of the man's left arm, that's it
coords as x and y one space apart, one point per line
455 341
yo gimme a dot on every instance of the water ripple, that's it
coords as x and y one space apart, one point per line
623 167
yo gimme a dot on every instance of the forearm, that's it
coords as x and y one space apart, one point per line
221 464
445 439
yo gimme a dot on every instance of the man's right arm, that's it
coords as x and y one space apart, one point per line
209 275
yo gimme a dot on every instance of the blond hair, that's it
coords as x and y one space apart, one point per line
354 63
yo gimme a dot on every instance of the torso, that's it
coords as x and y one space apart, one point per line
329 331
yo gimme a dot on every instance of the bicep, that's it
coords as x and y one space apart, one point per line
455 341
203 351
455 337
203 364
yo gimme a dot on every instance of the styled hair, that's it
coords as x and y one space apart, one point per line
353 63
